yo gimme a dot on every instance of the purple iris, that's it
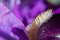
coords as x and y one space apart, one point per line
20 15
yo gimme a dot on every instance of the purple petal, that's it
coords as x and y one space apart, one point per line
20 33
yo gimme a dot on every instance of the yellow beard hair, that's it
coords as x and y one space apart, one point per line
41 18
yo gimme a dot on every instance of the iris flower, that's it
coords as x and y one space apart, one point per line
16 16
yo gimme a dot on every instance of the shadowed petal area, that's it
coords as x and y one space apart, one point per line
6 36
50 29
20 33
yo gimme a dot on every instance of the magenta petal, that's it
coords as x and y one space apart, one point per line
17 13
39 7
56 11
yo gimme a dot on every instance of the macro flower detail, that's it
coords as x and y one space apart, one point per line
29 19
41 18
